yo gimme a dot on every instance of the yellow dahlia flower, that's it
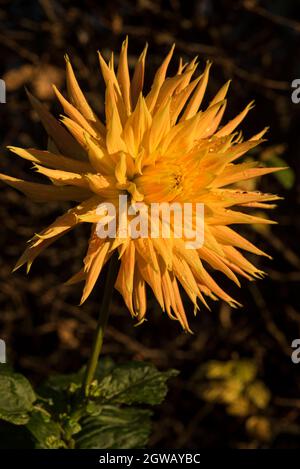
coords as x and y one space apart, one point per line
154 147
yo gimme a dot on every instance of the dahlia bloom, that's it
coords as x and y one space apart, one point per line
154 147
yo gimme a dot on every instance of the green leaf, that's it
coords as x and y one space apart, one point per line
134 382
131 382
16 397
45 431
286 177
106 420
61 382
115 428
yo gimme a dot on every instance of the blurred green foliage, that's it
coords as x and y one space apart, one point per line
57 416
235 384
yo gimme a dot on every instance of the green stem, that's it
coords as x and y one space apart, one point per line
102 321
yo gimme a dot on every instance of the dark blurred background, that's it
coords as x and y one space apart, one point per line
238 386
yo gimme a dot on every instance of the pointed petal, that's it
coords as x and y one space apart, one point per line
137 81
74 114
123 77
46 193
158 81
78 98
196 99
139 297
63 140
93 265
63 178
124 282
52 160
233 124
